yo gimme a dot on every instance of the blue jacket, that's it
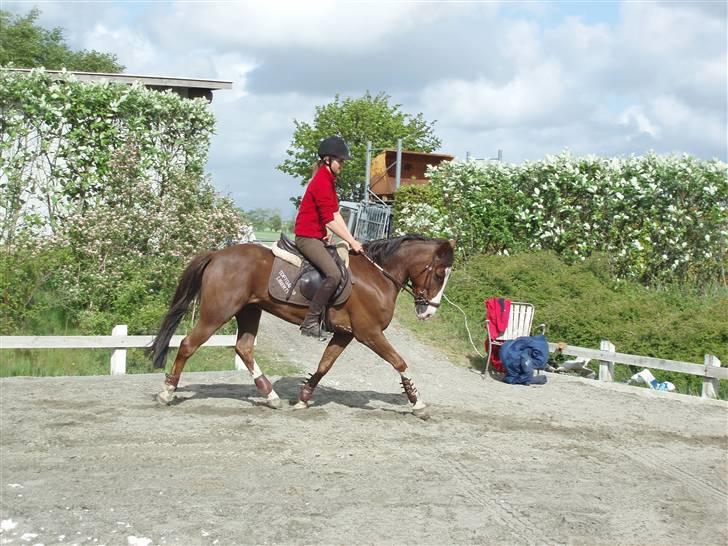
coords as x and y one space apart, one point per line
521 356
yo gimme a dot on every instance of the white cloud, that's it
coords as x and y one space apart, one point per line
532 97
671 47
525 78
315 24
634 117
234 67
520 43
133 48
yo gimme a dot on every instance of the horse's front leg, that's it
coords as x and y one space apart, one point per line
381 345
335 347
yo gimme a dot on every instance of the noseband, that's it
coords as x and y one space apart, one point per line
420 298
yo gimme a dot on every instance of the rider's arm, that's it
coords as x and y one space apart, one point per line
338 226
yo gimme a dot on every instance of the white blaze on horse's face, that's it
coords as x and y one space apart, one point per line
431 310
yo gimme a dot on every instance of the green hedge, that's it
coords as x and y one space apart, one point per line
660 219
103 199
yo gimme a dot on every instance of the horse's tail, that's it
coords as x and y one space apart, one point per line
187 290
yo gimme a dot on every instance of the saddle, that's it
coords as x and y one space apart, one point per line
293 279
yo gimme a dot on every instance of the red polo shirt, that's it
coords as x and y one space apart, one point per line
318 205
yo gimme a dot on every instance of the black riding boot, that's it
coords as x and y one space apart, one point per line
311 325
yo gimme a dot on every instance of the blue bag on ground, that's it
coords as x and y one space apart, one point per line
521 356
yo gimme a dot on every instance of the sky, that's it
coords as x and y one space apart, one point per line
531 78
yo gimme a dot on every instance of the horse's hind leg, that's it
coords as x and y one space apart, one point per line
248 321
192 341
335 347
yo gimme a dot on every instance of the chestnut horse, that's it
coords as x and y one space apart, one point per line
233 282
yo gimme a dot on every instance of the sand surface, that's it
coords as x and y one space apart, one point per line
95 460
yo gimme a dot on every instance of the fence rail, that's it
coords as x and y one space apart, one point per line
118 340
606 355
99 342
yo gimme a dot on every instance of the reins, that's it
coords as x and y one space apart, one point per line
419 298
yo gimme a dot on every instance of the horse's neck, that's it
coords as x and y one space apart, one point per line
398 266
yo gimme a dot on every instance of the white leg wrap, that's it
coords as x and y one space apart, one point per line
419 404
257 372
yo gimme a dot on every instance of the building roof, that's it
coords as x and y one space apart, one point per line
151 81
428 154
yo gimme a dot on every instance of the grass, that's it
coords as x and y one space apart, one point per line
270 236
61 362
580 304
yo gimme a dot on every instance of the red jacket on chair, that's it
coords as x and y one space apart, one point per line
498 311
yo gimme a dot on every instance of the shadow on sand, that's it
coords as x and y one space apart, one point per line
288 388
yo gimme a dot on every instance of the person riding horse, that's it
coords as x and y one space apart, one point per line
320 210
234 282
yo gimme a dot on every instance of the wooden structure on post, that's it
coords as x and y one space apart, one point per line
388 172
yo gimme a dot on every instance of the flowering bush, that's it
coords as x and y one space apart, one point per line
660 219
102 200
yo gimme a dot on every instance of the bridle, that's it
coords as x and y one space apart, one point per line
418 295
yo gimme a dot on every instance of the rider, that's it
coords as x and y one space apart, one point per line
319 210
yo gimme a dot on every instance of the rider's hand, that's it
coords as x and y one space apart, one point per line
356 247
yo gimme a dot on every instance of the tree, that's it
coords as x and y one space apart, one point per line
101 202
27 45
264 219
368 118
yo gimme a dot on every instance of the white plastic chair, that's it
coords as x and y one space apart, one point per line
519 325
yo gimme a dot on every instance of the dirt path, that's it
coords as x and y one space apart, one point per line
95 461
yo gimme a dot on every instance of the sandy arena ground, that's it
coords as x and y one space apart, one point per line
95 460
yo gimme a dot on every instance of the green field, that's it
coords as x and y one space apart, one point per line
60 362
581 304
270 236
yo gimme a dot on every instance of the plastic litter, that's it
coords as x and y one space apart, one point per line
576 365
646 377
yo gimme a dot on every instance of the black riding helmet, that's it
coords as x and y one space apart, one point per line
334 146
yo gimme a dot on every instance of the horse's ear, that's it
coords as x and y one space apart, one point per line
452 243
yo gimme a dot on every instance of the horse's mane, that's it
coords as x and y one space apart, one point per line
381 249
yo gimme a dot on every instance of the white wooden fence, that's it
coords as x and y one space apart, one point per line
118 340
606 355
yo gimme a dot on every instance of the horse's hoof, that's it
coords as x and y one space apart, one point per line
300 405
165 397
274 403
422 413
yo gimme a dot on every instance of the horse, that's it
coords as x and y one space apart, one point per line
233 282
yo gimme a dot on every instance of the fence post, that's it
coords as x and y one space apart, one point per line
118 357
606 367
710 384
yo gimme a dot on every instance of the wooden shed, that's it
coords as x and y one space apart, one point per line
383 178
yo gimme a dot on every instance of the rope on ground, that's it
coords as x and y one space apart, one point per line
466 325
